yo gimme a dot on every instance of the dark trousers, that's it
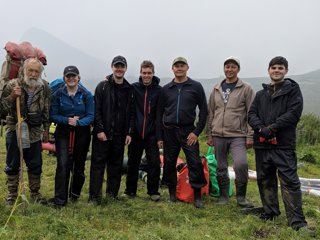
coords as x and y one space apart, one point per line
174 140
237 147
281 162
32 156
73 162
135 152
106 154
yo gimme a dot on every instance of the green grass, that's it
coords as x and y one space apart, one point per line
142 219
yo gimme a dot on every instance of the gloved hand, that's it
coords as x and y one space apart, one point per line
266 133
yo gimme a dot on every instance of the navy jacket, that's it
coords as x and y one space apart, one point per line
281 111
177 106
146 100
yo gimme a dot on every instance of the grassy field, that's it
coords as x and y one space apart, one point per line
142 219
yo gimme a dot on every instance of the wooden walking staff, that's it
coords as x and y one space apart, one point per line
19 138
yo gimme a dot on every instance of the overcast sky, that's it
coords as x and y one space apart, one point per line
204 31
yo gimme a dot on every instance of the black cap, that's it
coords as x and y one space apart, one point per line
71 70
119 59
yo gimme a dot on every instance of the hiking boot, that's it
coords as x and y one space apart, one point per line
94 201
172 194
34 186
254 211
155 197
73 199
12 183
224 186
128 195
267 217
112 196
53 203
241 191
198 203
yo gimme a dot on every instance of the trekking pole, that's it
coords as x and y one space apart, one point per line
70 154
19 138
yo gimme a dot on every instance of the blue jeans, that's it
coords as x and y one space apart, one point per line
32 156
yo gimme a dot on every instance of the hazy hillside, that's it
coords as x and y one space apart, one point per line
309 84
60 54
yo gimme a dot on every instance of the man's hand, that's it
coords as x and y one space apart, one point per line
102 136
266 132
192 139
45 136
160 144
16 92
128 140
249 143
72 121
210 141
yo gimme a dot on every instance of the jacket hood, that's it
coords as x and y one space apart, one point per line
155 81
287 85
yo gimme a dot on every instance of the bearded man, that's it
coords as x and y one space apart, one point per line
34 96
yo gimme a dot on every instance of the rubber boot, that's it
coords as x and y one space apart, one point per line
198 203
241 195
13 184
172 193
34 186
224 186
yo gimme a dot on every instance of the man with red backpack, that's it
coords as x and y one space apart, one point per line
34 95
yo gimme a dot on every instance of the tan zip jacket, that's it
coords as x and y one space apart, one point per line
230 119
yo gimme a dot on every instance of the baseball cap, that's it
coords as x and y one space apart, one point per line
232 59
119 59
179 60
71 70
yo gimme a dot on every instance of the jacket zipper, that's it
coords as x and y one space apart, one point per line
144 113
178 105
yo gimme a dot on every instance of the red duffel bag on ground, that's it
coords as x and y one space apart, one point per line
184 189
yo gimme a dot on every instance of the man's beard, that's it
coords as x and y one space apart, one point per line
31 82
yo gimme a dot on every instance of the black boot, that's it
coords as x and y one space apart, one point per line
198 203
12 183
224 186
241 189
172 193
34 186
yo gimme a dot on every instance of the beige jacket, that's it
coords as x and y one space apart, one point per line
230 119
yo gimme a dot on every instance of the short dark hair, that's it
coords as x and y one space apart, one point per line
147 64
279 60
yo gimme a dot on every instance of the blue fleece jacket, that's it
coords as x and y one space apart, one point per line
63 106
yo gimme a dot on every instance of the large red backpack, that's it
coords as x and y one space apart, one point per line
16 55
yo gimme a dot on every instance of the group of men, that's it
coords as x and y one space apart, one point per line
148 117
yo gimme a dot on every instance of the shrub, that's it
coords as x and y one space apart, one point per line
308 129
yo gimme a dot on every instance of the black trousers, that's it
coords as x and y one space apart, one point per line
70 162
32 156
281 163
135 152
174 140
106 154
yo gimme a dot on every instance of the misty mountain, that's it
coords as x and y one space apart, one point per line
60 54
93 70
